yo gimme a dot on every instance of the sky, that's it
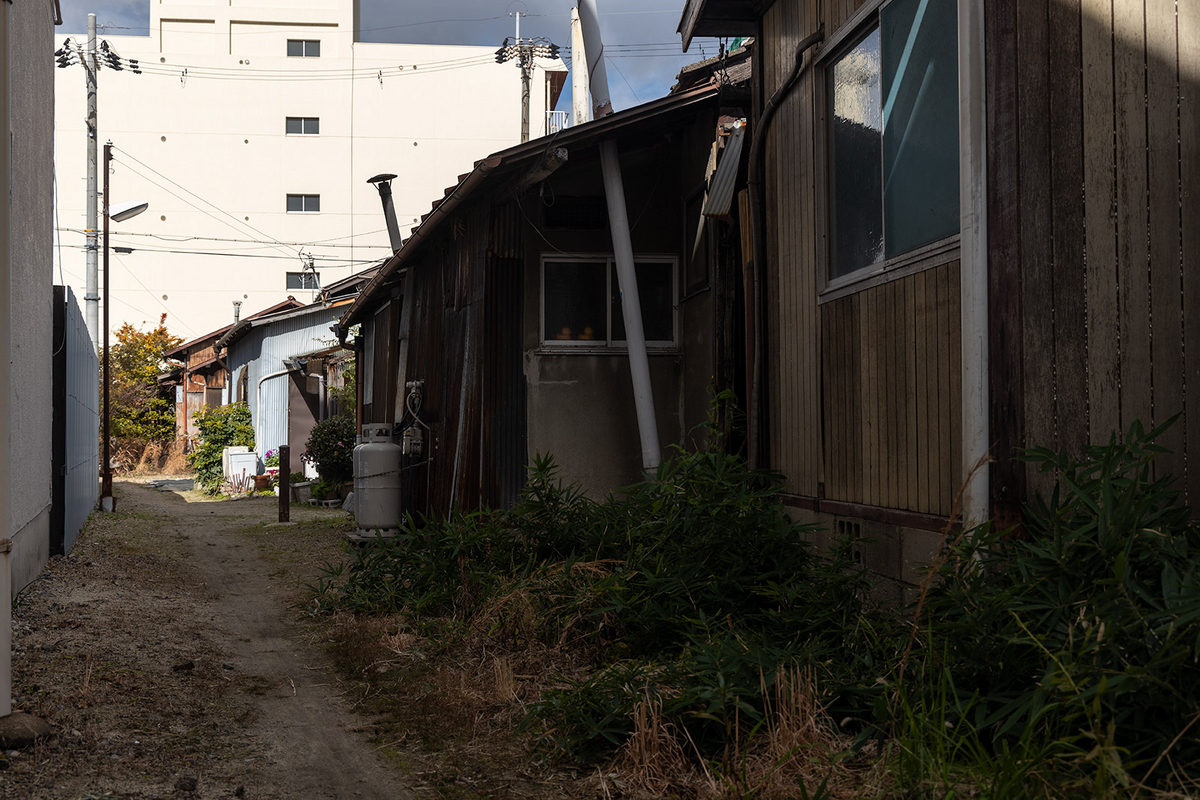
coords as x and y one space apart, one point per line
644 51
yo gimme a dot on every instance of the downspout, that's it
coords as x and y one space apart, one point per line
755 272
614 192
973 244
258 399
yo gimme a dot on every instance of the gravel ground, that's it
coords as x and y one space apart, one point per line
170 664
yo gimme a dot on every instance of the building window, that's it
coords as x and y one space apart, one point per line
581 301
892 135
304 48
303 126
304 280
303 203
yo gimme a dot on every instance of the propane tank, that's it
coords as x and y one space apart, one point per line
377 483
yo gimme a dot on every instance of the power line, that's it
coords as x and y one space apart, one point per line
332 260
198 197
179 239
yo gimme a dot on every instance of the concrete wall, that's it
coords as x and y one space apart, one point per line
31 123
424 112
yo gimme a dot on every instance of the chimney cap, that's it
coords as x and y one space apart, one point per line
385 176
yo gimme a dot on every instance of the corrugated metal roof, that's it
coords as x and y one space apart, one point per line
514 157
719 200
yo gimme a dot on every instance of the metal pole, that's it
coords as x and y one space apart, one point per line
614 191
285 483
106 489
91 68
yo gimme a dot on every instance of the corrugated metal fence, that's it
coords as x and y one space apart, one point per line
75 434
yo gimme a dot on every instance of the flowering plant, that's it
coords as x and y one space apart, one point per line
331 449
272 458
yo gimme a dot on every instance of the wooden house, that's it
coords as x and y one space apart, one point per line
201 379
979 234
495 331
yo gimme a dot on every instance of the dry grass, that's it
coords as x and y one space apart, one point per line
796 746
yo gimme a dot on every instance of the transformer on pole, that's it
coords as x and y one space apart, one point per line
525 51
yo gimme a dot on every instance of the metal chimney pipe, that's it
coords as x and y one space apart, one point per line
384 184
237 311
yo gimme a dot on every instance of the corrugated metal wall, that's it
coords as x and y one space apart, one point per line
263 350
75 439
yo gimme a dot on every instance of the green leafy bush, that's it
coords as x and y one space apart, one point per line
691 587
330 448
1085 631
218 427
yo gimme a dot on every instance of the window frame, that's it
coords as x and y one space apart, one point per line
609 345
302 120
304 48
305 276
917 260
302 196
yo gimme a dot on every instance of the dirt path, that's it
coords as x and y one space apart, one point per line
184 671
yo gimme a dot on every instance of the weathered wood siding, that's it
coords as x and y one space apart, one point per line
865 391
794 341
891 392
1094 194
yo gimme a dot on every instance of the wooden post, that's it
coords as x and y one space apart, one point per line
285 483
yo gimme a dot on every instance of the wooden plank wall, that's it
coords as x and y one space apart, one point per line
891 392
793 346
447 336
1093 187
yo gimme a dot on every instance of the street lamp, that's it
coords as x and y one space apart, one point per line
119 213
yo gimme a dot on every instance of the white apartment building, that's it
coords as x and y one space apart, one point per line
251 131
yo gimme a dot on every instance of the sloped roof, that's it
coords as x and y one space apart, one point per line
184 349
514 158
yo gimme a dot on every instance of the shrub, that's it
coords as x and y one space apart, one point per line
690 587
330 448
218 427
143 413
1087 630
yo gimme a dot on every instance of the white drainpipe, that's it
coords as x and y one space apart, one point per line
614 191
972 145
258 401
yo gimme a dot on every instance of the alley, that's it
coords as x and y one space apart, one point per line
169 655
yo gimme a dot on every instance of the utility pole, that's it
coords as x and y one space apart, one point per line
580 104
92 59
92 296
524 51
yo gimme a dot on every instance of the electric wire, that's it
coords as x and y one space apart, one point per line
240 223
147 290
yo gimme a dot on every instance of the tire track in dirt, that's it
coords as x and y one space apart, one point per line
303 728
